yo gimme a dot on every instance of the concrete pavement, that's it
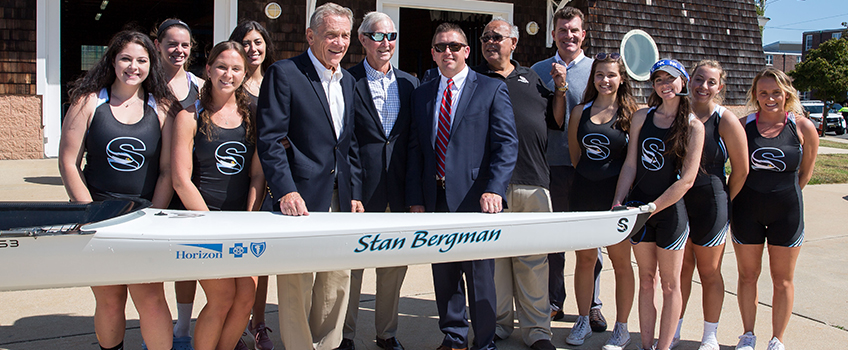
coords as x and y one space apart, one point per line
63 318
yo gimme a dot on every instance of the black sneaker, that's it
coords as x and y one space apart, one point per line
597 320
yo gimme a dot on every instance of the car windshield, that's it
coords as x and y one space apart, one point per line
814 109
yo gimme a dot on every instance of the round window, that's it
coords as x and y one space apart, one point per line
639 52
273 10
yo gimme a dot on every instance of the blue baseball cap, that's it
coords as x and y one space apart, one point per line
671 67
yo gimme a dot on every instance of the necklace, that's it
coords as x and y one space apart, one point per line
224 115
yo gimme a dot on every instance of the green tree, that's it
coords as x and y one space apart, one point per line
825 70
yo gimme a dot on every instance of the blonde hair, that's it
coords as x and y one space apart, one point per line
719 98
791 101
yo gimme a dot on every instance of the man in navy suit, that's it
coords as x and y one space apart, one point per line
305 129
462 150
381 117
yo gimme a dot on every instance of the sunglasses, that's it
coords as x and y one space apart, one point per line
454 47
493 36
378 37
604 55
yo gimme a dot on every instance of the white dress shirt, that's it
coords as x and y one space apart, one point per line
384 93
331 81
458 83
568 66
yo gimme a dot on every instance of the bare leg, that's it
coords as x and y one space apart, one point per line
782 262
109 317
749 261
259 301
625 282
220 294
584 279
646 260
153 315
669 263
686 274
712 283
239 314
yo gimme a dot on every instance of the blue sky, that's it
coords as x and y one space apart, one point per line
791 18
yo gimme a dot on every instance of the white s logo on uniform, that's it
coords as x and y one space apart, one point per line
229 157
122 153
596 146
652 158
768 158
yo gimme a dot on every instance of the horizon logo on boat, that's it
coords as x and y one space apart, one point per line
206 251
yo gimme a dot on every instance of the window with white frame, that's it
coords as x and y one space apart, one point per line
798 59
809 42
769 60
836 36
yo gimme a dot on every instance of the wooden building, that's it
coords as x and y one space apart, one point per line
48 43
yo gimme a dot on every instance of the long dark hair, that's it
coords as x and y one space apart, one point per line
623 96
679 130
242 100
103 73
245 27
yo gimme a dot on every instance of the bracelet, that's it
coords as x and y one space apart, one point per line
563 88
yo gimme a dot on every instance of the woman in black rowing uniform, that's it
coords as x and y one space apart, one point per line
216 167
119 120
663 158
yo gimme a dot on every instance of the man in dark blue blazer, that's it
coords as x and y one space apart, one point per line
462 150
381 117
304 134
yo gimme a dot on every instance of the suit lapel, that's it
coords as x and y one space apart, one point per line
364 91
465 98
309 69
430 113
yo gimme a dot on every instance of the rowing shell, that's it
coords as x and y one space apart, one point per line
153 245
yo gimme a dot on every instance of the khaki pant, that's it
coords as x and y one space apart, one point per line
312 306
524 278
389 281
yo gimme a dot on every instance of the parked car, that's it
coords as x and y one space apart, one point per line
835 121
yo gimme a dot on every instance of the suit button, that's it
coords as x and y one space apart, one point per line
336 148
388 142
333 171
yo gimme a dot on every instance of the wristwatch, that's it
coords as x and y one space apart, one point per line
563 88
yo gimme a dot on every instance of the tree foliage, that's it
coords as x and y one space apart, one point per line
824 70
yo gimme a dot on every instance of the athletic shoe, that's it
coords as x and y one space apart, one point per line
619 339
597 320
241 345
579 332
711 344
747 341
182 343
260 336
556 313
775 344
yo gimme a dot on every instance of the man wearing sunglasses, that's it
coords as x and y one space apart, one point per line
462 150
381 130
523 278
569 62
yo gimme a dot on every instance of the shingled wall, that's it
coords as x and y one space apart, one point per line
688 31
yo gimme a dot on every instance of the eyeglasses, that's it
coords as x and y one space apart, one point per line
604 55
454 47
378 37
493 36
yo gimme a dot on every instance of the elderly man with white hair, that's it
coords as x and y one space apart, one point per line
381 129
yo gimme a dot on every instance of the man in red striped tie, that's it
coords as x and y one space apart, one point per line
462 150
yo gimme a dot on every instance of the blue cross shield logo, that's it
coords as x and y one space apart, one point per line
257 248
237 250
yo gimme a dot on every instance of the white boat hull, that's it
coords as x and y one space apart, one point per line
153 245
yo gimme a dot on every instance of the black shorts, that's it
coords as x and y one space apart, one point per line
669 228
708 207
590 195
777 216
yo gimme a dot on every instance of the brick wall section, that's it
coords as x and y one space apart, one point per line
17 47
784 62
20 129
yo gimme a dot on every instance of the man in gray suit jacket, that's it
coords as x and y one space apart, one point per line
381 118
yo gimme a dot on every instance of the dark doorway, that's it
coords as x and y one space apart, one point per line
417 27
85 33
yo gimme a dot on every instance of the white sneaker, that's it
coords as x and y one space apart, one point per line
775 344
747 341
709 344
619 339
674 343
579 332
